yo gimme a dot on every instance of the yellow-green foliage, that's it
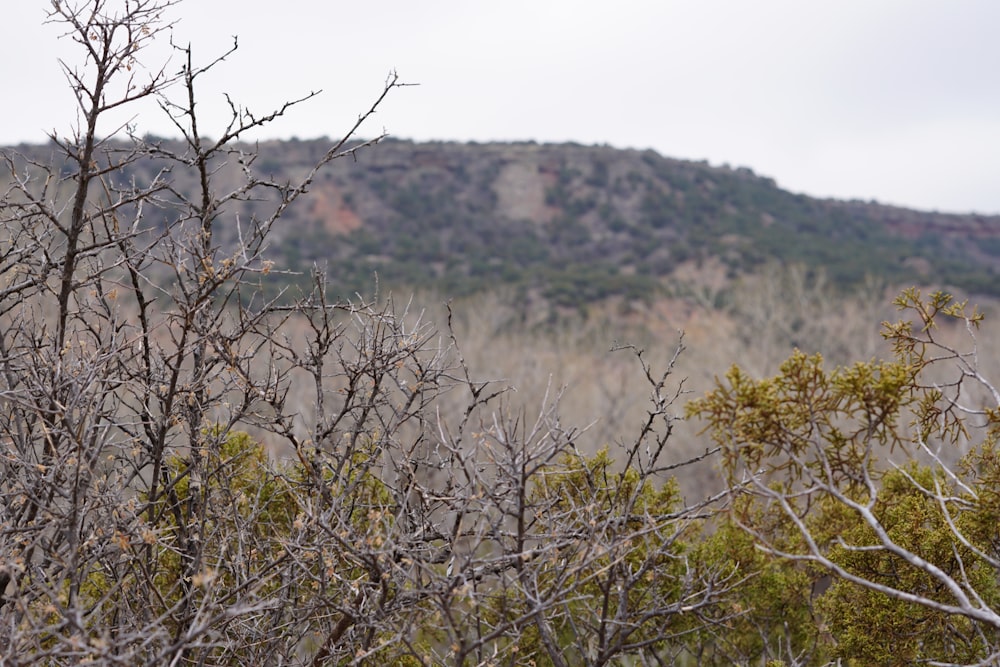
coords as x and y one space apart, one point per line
241 511
763 423
770 610
820 439
605 546
872 628
982 468
588 487
625 527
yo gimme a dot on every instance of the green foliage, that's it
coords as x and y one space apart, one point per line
872 628
803 412
770 613
630 565
912 548
246 513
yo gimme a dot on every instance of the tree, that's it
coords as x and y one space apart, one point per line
853 472
141 524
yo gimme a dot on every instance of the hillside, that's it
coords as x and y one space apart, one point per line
580 223
577 223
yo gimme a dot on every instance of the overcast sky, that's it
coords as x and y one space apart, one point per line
893 100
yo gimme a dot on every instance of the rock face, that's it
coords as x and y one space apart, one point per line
582 222
520 188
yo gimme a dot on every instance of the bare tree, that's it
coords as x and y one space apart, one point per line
122 313
142 525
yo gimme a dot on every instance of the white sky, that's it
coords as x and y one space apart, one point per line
894 100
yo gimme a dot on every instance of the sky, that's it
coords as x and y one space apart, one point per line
890 100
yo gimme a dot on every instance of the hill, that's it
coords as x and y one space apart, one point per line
574 223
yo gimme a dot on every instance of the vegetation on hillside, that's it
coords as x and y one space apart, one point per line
575 223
